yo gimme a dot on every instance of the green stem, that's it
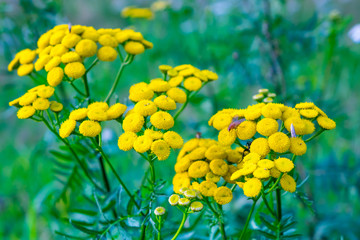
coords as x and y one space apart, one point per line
143 232
86 84
76 89
275 184
248 219
181 226
315 135
159 229
267 204
279 214
221 222
181 109
92 65
102 167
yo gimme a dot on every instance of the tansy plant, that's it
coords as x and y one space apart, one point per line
65 55
255 151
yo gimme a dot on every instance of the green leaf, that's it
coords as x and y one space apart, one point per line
266 234
61 155
268 224
78 225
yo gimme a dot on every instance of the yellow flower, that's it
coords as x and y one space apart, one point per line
131 12
246 130
159 85
27 56
70 40
197 153
107 54
271 111
67 128
191 144
288 183
177 94
159 211
214 152
115 111
198 169
267 126
190 193
90 128
162 120
279 142
140 91
25 112
56 106
289 113
40 63
210 75
164 68
274 172
223 195
252 157
304 105
56 37
153 134
108 41
176 81
196 206
308 113
298 123
78 114
297 146
14 102
266 164
326 123
174 199
284 164
97 114
27 98
55 76
261 173
260 146
212 177
252 112
233 155
219 167
165 103
134 48
70 57
133 122
173 139
207 188
309 127
184 201
45 91
182 165
252 187
90 34
227 137
86 48
98 105
221 121
143 144
126 141
25 69
54 62
145 108
161 149
58 50
41 104
75 70
192 83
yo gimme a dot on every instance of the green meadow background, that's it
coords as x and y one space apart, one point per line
311 58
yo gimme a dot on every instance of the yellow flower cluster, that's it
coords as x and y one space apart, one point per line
271 130
90 118
36 99
133 12
189 199
264 95
204 165
63 50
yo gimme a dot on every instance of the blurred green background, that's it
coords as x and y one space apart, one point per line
298 48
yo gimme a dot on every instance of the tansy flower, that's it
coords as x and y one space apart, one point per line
223 195
54 62
165 103
260 146
191 144
133 122
308 113
227 137
196 206
58 50
233 156
90 128
326 123
266 164
175 81
140 91
78 114
164 68
70 57
173 139
67 128
159 85
246 130
271 111
198 169
252 187
126 141
97 114
98 105
267 126
161 149
288 183
27 56
25 112
159 211
298 123
40 63
197 153
252 112
284 164
214 152
252 157
207 188
74 70
190 193
182 165
45 92
153 134
274 172
261 173
184 201
55 76
134 48
86 48
247 169
162 120
177 94
279 142
219 167
221 121
115 111
41 104
25 69
290 112
107 54
230 172
174 199
143 144
309 127
108 40
192 83
297 146
27 98
70 40
212 177
304 105
56 106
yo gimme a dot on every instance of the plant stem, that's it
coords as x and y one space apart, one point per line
143 232
275 184
267 204
315 135
92 65
159 229
221 223
102 166
248 218
278 207
87 90
181 225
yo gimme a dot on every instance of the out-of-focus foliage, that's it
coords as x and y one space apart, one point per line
299 49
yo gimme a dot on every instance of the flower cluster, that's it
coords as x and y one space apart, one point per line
36 100
273 131
206 166
264 95
90 117
189 200
62 51
133 12
146 126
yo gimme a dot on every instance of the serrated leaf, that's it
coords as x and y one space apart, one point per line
84 229
86 212
268 224
291 236
266 234
61 155
69 236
